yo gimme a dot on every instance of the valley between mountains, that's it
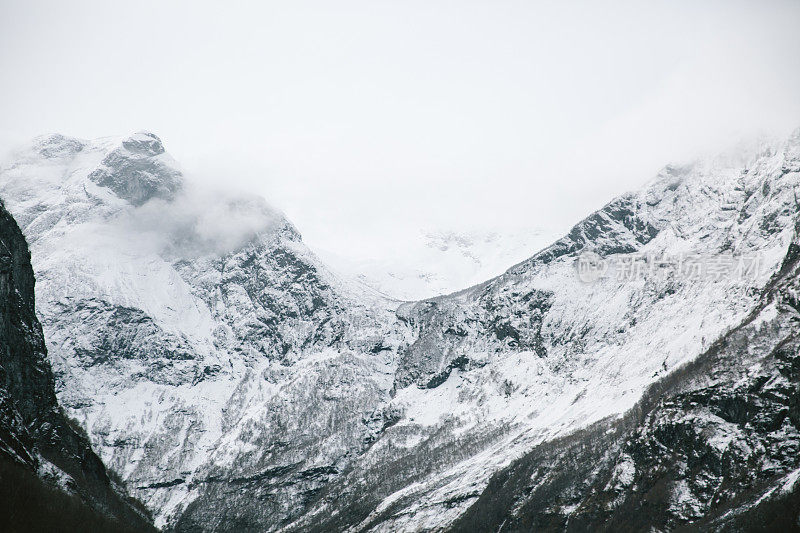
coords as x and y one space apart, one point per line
229 380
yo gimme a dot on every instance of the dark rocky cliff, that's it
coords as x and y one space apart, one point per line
50 480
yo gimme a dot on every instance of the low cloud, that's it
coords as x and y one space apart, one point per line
199 221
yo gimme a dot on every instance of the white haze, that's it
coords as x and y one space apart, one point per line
369 121
199 221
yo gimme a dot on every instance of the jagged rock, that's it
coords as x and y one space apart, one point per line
137 171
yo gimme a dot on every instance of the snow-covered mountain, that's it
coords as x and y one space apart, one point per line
713 445
236 383
180 322
441 261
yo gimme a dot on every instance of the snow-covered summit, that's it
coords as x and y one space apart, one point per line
161 296
138 170
64 181
94 178
56 146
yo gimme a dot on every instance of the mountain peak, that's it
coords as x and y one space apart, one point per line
144 143
139 170
57 145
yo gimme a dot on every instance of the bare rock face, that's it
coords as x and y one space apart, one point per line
50 476
236 383
137 171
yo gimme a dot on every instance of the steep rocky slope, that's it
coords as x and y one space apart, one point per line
235 383
191 332
49 477
712 446
535 354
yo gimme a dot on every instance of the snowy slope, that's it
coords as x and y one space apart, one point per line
441 261
235 382
714 445
51 478
535 354
165 307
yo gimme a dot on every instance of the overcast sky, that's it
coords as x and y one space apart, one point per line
365 121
